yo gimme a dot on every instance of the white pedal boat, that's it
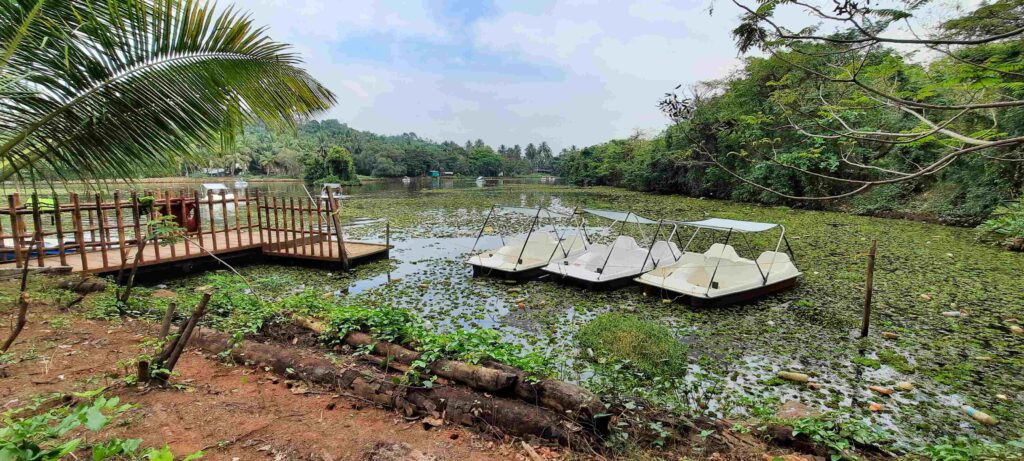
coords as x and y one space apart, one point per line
720 276
525 256
612 265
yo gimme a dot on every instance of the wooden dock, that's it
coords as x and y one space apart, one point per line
98 236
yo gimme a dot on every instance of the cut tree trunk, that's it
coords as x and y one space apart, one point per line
455 405
564 398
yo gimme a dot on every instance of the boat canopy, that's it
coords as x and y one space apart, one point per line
214 186
542 212
730 225
620 216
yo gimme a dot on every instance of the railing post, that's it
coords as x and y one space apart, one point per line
76 220
101 219
57 214
12 206
37 223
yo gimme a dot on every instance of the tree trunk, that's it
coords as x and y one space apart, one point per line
455 405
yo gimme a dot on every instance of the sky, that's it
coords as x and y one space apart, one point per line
575 72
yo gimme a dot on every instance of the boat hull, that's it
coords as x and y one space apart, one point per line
595 285
725 300
521 275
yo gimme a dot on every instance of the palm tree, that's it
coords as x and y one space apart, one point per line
99 87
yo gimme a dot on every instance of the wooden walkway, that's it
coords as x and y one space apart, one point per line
101 237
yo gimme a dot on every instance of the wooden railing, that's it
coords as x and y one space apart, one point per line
94 233
295 227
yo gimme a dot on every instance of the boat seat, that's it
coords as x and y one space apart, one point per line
719 250
663 252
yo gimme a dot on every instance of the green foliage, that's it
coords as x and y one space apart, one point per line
188 72
649 347
838 436
336 166
1006 225
42 436
963 449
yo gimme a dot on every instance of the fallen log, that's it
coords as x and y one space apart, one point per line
564 398
455 405
568 399
84 285
475 376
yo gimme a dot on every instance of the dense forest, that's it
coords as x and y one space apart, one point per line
776 128
325 149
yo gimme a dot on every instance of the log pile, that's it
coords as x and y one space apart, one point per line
456 405
571 400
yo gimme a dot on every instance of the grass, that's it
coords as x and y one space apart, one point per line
646 346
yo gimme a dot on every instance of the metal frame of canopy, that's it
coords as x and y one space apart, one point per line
536 212
622 218
741 227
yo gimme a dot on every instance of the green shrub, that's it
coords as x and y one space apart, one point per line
648 347
1006 225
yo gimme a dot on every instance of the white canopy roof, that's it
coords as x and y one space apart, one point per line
730 225
544 212
620 216
214 186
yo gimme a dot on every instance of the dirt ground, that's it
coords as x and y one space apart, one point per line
230 412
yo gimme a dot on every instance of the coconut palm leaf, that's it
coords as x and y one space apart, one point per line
107 85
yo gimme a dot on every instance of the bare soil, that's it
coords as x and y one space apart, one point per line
230 412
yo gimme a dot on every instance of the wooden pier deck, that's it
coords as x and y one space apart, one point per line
101 237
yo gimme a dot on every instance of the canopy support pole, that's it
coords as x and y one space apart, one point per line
481 233
622 227
533 224
651 246
712 281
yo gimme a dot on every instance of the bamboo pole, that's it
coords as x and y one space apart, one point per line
136 223
170 211
119 222
12 205
61 252
320 227
213 221
37 224
183 203
868 289
248 216
224 219
76 220
101 223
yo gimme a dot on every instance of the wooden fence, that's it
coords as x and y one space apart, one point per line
91 234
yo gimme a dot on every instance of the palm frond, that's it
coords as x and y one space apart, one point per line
109 85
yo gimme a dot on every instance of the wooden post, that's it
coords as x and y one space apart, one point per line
37 223
868 288
224 219
57 214
213 222
76 220
337 228
291 211
277 226
137 223
101 219
199 217
183 203
170 212
320 227
248 216
12 206
309 228
119 221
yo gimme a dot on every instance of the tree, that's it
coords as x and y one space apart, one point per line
877 119
531 153
338 166
100 87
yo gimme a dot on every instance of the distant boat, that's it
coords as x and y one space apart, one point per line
218 192
334 187
241 184
406 180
